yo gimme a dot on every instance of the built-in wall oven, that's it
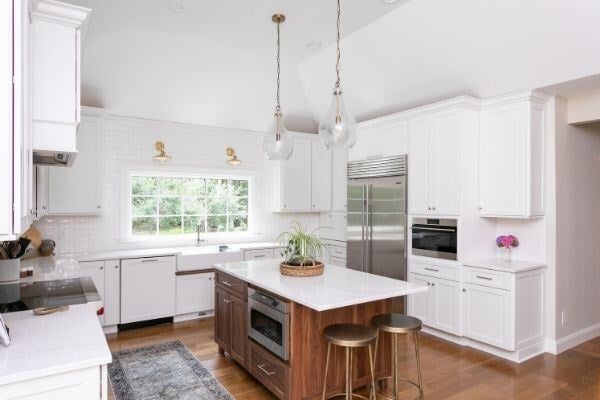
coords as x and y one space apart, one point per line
434 237
269 322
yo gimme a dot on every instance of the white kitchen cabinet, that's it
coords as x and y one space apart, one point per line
259 254
95 270
76 190
420 305
56 72
439 307
333 225
381 137
195 293
511 157
434 164
487 315
112 292
148 288
303 183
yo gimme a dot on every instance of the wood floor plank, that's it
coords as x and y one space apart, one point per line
450 371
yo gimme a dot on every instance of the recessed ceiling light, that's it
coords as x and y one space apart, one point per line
175 5
314 45
389 1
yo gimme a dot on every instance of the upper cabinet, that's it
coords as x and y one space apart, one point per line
76 190
511 156
56 63
380 137
303 183
434 151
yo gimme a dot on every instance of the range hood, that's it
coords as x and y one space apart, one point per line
54 144
54 159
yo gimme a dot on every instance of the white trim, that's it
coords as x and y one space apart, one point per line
155 170
572 340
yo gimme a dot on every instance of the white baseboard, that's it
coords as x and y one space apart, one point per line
110 329
192 316
572 340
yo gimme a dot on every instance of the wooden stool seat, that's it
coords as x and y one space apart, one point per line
397 323
350 335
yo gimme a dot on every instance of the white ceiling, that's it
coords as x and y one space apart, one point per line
213 62
429 50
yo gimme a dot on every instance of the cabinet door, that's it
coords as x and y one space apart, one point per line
420 305
194 293
295 178
147 288
418 170
444 165
321 160
222 319
503 161
262 254
76 190
112 292
487 315
239 329
95 270
446 309
339 195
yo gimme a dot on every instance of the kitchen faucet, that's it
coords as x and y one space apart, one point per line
198 240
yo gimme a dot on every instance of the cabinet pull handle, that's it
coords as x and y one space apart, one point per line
431 269
259 255
263 369
101 268
228 284
226 301
483 277
149 260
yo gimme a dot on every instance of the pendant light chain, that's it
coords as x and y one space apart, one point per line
337 65
278 107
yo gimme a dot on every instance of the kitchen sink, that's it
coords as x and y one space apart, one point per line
203 257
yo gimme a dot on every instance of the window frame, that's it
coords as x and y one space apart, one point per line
127 212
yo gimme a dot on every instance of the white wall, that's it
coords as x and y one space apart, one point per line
130 141
578 227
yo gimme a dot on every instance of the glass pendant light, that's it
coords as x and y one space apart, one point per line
338 127
278 144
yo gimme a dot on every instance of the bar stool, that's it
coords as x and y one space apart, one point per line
396 325
350 336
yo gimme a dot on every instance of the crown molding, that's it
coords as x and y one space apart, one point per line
56 11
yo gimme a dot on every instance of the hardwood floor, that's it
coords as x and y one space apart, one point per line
449 371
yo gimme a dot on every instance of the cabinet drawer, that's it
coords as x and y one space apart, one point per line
487 277
436 270
269 370
340 262
263 254
231 284
337 252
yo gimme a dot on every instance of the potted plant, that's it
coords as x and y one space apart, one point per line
301 251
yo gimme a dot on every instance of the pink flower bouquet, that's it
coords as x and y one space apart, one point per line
507 241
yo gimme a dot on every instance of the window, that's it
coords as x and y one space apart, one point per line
172 205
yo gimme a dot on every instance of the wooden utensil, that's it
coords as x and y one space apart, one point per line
34 235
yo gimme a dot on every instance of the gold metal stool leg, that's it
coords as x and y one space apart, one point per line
326 370
419 365
372 394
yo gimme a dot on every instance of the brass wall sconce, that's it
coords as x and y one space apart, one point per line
161 157
232 158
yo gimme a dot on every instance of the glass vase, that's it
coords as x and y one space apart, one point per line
507 254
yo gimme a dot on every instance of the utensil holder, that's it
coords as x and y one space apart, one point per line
10 269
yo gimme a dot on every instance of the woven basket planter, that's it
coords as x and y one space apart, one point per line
302 270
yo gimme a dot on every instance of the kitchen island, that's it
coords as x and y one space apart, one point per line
293 366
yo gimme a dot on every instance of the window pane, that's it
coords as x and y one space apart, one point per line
239 188
143 206
217 224
238 223
144 185
170 206
143 226
190 224
216 187
217 206
170 226
194 186
194 206
169 186
238 205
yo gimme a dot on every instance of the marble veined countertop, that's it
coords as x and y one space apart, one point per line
52 344
498 264
337 287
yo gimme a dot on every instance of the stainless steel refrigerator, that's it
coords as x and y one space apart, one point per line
376 233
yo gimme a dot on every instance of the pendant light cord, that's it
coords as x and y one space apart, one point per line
278 107
339 55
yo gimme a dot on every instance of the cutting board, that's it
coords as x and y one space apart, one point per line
34 235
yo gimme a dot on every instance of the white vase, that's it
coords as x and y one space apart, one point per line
507 254
10 270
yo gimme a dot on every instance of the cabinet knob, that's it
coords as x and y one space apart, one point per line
101 268
32 212
481 208
432 284
116 267
99 207
464 290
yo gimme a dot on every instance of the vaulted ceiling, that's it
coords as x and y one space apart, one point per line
212 63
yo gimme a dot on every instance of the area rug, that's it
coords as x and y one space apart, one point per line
166 371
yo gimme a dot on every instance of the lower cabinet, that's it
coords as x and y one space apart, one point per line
231 330
194 293
260 254
147 288
269 370
439 307
107 279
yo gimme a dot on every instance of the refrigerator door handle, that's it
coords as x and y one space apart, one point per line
364 206
369 229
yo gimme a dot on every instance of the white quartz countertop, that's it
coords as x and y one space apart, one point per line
337 287
52 344
498 264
